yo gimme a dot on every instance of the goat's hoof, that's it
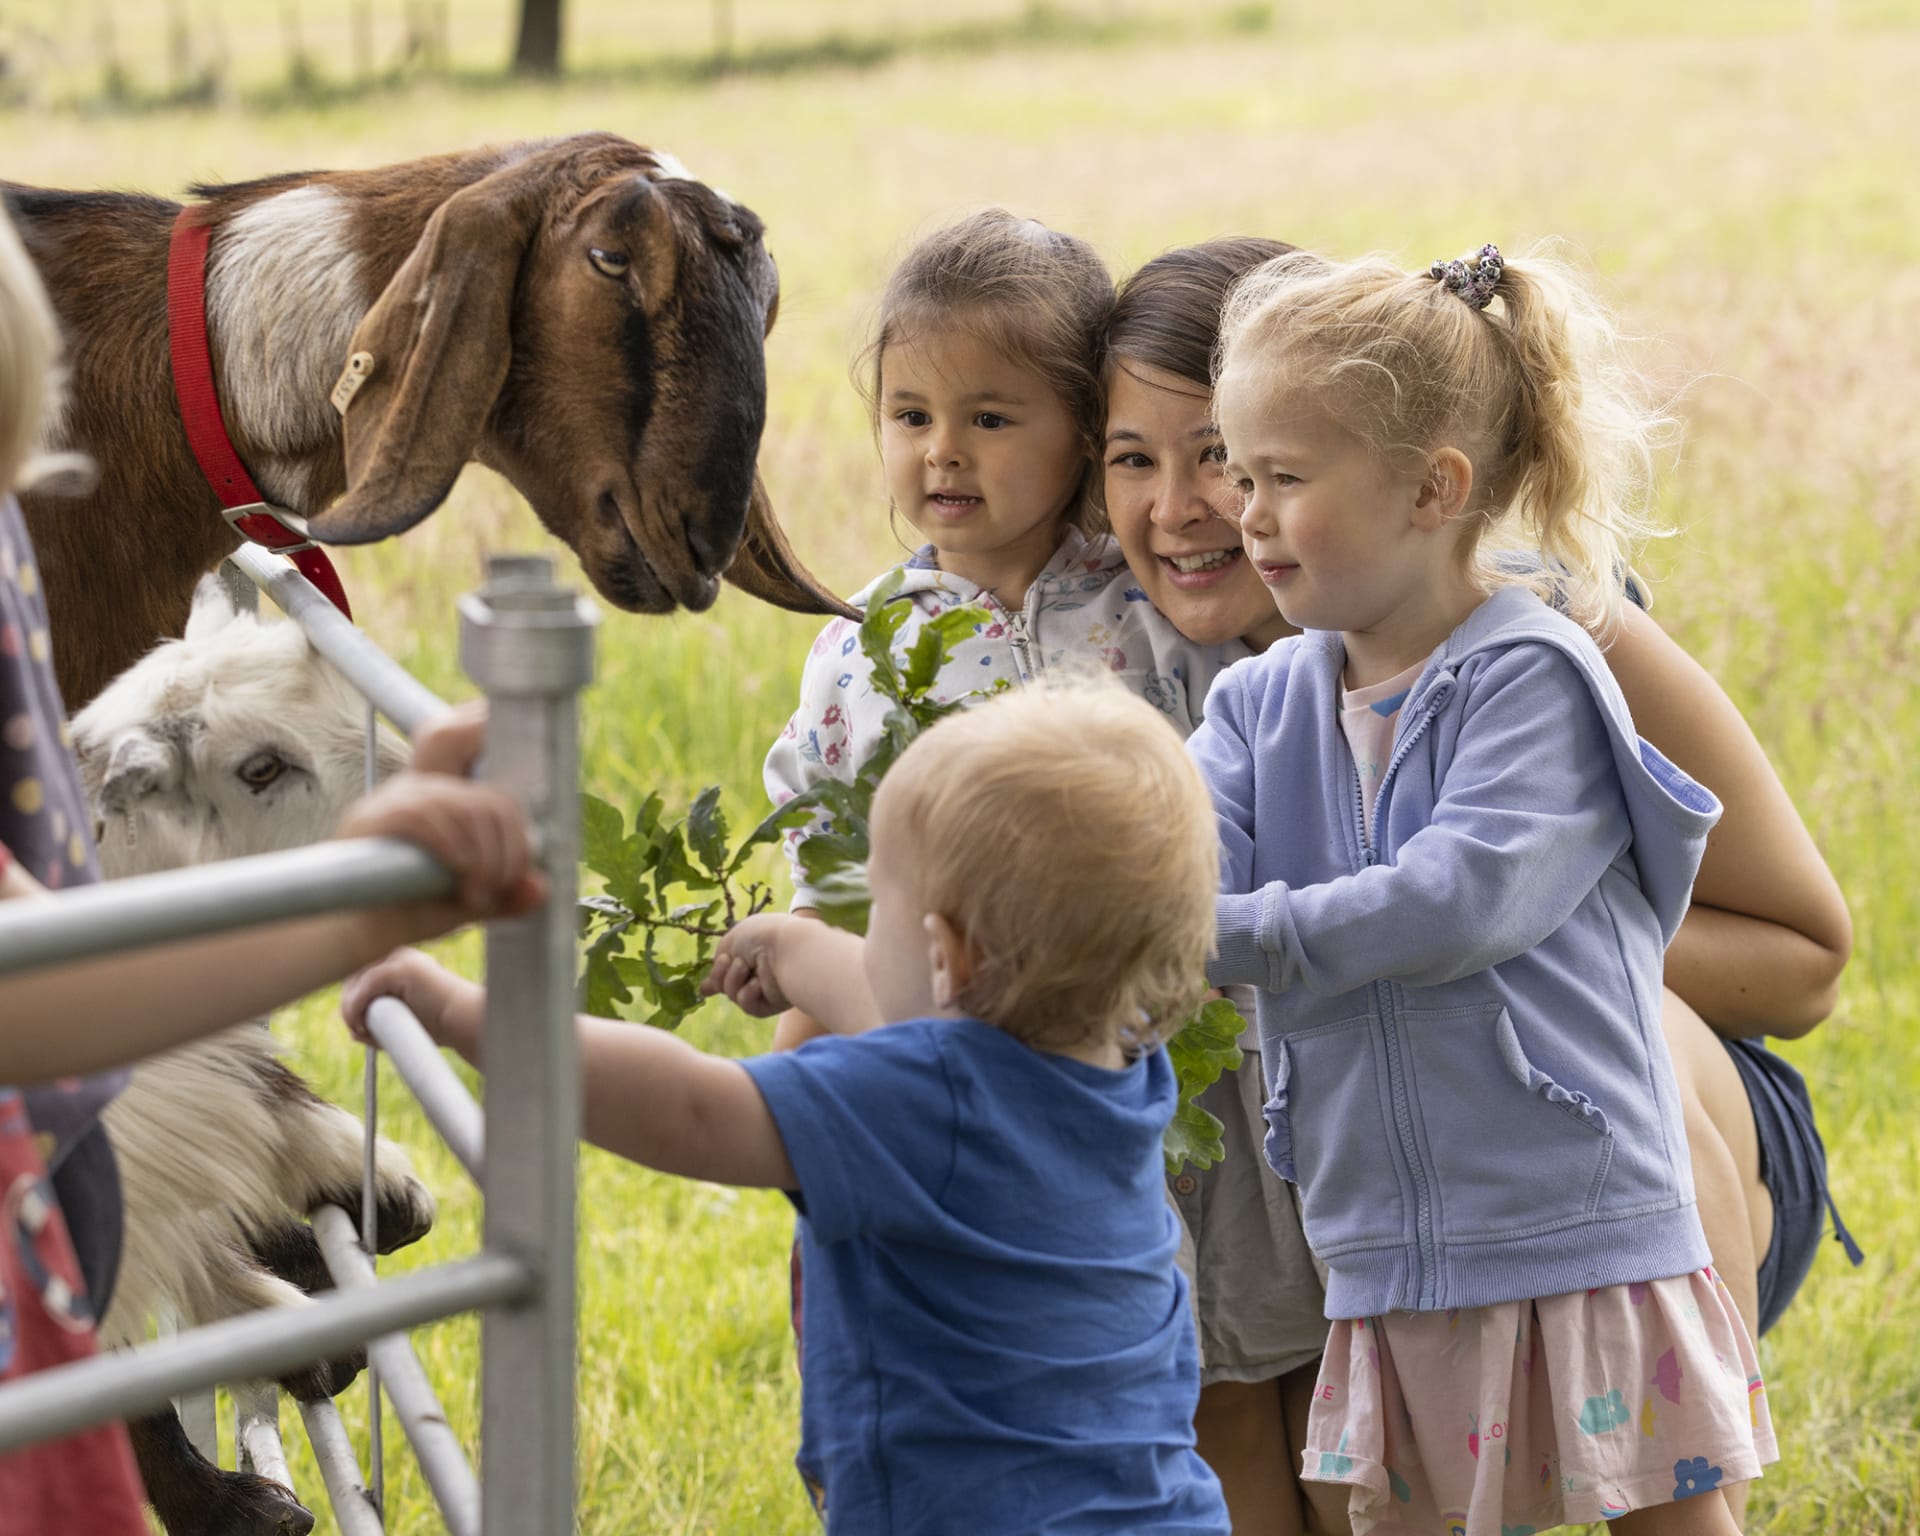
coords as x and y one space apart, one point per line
326 1378
255 1506
291 1251
403 1214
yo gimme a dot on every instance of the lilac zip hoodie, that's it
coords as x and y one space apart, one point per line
1461 1020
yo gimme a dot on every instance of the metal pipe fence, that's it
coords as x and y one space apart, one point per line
529 644
452 1110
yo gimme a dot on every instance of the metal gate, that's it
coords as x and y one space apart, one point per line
528 643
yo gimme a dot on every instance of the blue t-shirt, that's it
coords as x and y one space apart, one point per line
996 1335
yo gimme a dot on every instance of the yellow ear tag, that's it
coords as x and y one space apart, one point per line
358 370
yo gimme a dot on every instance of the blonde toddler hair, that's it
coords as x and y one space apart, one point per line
1064 831
1031 293
29 348
1535 389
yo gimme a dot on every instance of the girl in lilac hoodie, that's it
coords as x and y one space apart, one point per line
1452 868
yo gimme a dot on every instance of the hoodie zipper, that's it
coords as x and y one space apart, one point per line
1427 1260
1020 630
1018 638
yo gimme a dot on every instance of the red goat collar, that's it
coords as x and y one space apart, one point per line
240 499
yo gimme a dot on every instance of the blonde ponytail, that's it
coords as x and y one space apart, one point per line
1514 363
1590 432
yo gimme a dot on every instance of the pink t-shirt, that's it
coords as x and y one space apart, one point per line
1367 719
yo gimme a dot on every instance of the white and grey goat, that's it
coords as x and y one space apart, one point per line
237 739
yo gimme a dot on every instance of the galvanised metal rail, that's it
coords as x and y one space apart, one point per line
528 643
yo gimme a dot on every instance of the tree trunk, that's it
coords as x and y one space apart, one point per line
537 52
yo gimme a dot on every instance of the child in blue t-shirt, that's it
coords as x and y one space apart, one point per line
997 1337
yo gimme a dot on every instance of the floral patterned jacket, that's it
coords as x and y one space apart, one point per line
1085 605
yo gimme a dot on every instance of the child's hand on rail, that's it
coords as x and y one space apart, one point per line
476 830
448 1007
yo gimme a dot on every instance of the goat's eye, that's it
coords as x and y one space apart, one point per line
260 770
612 263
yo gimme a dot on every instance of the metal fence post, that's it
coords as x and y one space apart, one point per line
529 643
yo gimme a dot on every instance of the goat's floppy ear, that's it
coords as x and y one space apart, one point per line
437 341
766 567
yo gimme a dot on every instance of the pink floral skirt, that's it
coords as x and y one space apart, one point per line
1512 1419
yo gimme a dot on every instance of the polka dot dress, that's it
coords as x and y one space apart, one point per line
87 1481
43 811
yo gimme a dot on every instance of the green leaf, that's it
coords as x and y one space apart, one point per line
624 861
884 591
1207 1045
842 898
651 872
880 628
672 867
707 831
826 854
694 912
795 813
603 836
602 989
841 801
843 835
601 909
933 647
1192 1136
646 820
676 987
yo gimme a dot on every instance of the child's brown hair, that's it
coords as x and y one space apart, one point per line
1032 294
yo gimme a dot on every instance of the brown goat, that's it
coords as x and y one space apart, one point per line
575 313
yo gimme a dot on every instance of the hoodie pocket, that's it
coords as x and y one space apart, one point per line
1512 1149
1327 1130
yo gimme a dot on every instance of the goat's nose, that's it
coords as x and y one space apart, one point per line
133 772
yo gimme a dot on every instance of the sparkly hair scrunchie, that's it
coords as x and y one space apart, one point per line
1472 277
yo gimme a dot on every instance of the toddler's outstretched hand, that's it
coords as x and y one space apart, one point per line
476 830
443 1002
744 965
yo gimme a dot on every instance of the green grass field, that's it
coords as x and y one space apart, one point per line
1736 175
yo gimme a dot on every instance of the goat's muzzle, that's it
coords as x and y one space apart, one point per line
643 559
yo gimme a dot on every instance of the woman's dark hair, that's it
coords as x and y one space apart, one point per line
1167 314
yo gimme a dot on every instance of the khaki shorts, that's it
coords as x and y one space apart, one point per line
1259 1295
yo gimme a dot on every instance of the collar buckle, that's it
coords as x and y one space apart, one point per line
274 528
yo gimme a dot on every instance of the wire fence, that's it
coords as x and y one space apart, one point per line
529 644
